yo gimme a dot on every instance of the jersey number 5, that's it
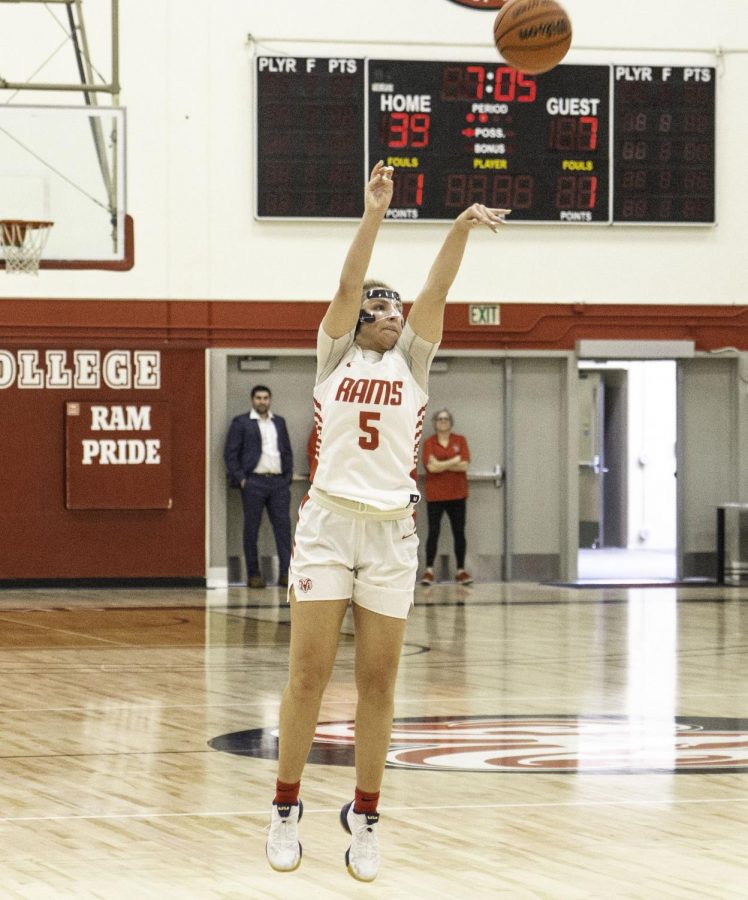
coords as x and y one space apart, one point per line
369 440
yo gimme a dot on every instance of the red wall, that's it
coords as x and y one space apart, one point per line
40 539
193 324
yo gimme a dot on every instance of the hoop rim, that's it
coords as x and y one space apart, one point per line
29 223
23 242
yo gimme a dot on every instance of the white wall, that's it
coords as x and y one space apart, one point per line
185 73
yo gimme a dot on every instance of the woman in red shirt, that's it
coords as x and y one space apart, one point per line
446 457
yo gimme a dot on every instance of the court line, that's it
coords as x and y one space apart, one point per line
347 701
70 632
420 602
420 651
386 809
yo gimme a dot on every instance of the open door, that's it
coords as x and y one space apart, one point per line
591 395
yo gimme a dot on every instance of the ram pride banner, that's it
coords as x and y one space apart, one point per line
118 455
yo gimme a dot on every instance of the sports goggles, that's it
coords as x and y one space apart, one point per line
381 304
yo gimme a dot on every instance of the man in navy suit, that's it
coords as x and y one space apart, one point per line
259 460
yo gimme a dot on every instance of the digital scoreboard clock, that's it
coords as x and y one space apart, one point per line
462 133
579 144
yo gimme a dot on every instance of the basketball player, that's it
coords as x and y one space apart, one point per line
355 539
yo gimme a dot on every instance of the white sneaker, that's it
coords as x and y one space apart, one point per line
362 857
283 848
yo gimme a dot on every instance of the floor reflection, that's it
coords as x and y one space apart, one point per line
652 677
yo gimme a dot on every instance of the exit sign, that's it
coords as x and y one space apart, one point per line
485 314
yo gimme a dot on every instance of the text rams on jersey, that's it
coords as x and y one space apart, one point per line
378 391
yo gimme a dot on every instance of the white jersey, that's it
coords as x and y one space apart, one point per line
369 413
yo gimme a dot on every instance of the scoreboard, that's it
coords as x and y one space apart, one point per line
579 144
310 137
664 145
471 133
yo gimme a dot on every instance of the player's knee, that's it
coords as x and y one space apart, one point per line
308 682
377 686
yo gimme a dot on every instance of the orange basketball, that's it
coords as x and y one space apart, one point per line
532 35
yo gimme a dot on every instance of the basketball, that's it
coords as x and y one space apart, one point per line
532 35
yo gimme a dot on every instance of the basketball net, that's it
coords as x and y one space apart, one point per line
22 243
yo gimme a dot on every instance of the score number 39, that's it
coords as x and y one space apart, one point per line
401 129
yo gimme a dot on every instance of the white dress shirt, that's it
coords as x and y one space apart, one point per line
270 459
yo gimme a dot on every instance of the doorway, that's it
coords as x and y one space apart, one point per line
627 469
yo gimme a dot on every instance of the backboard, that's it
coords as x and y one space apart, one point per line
67 164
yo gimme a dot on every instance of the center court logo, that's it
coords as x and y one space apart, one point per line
530 744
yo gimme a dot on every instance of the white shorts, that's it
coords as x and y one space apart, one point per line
339 555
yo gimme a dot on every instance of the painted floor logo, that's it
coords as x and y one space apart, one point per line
547 744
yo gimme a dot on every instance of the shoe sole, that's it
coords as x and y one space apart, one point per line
344 823
276 869
353 874
344 818
301 851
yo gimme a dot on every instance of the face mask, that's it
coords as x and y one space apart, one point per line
381 303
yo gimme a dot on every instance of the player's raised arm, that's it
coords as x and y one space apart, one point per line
426 317
343 312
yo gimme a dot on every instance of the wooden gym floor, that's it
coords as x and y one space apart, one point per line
562 743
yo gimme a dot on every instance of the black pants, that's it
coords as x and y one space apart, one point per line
455 510
273 494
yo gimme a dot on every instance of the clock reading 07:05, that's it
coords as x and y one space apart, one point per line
462 133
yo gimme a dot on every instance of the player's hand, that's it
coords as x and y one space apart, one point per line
378 192
478 214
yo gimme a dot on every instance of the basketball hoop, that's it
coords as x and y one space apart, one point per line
22 243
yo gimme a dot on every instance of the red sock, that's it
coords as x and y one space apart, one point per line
365 802
286 793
